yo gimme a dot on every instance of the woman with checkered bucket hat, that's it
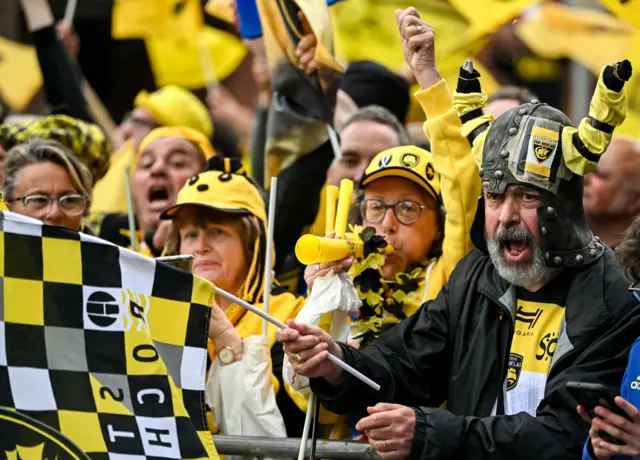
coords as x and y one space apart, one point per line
220 218
51 166
47 182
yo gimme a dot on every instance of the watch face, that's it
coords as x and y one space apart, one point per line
226 356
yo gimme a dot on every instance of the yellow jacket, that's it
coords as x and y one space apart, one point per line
460 184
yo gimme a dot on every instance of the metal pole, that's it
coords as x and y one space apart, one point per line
288 448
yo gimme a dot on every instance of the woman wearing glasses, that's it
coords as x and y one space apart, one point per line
402 196
45 181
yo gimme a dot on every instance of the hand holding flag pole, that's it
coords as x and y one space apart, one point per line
341 364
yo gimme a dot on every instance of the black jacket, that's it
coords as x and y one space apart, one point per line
456 347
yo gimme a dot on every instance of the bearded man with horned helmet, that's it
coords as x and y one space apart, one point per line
540 302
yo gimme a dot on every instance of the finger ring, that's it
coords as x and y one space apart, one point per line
420 29
298 358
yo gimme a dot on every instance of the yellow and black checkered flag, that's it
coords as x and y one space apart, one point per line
101 344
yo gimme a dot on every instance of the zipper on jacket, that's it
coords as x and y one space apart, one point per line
504 315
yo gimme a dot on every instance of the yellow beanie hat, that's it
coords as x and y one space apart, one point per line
180 132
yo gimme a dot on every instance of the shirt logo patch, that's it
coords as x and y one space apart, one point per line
514 369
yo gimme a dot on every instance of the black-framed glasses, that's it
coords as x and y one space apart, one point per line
70 205
634 289
407 212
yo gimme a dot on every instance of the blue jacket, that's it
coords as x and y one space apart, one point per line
629 390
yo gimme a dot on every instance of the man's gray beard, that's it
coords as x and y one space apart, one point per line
531 272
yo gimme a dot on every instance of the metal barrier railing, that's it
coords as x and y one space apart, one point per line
289 447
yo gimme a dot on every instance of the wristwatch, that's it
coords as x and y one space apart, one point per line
225 355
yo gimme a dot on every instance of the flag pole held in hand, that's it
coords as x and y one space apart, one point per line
341 364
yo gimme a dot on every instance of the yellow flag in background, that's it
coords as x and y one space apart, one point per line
592 38
487 16
367 30
629 10
631 125
20 77
144 18
177 60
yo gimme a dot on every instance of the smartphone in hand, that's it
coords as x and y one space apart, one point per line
590 395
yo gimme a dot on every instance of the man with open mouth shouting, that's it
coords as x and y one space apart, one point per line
480 371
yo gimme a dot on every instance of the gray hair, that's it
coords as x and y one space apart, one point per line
37 151
383 116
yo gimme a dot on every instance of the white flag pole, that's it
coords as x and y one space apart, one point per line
268 257
70 12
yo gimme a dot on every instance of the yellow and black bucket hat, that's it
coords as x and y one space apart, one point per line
225 191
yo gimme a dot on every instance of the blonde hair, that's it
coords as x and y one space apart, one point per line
37 151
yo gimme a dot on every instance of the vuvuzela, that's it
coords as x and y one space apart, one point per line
311 249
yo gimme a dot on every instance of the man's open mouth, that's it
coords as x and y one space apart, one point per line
159 197
516 250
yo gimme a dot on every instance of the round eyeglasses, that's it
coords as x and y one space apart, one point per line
37 205
407 212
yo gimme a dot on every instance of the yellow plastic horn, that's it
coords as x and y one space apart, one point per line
331 201
311 249
344 203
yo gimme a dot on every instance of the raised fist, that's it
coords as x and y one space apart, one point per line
418 46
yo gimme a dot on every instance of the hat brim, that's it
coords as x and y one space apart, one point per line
170 213
395 171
